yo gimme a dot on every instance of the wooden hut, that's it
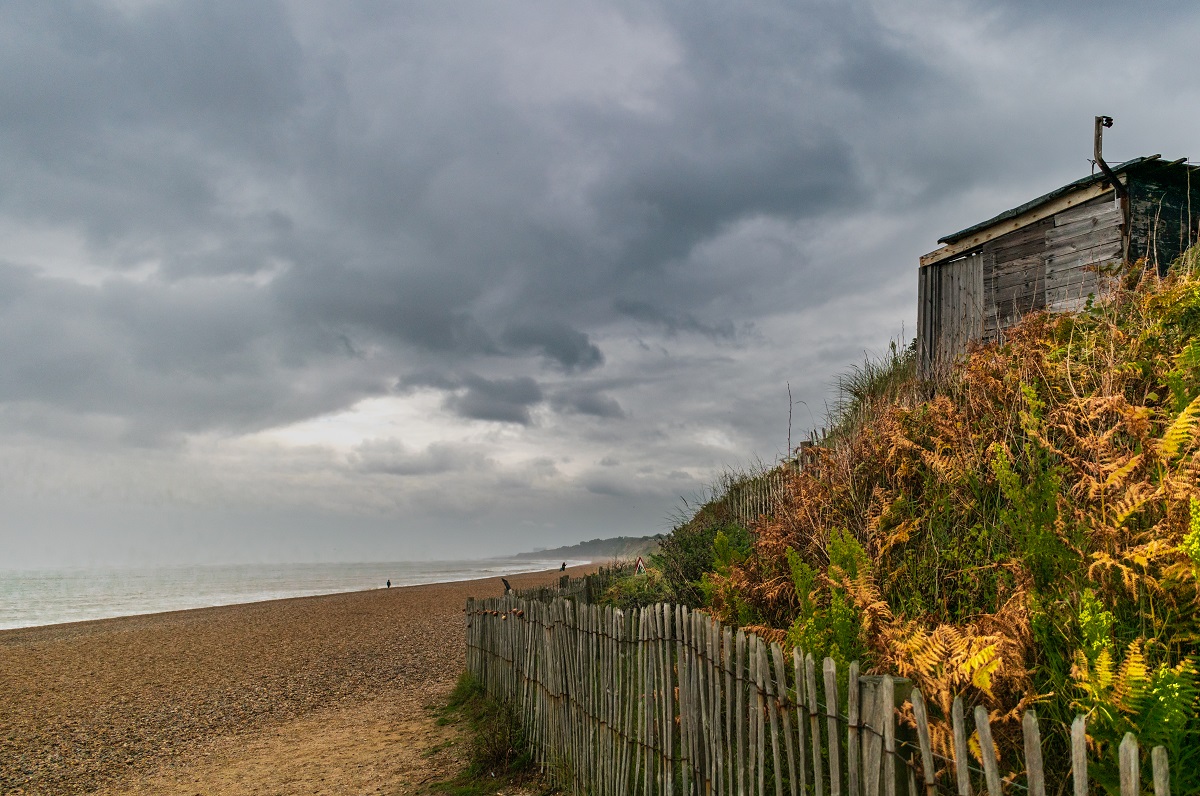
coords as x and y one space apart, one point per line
1051 253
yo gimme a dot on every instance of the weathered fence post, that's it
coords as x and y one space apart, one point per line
853 752
1033 754
1162 774
987 749
829 670
814 723
781 680
802 739
962 755
1131 776
922 721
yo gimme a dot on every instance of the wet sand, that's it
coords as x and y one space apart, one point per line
326 694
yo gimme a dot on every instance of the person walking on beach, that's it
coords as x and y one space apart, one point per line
563 568
389 583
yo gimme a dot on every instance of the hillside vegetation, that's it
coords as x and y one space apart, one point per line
620 547
1025 531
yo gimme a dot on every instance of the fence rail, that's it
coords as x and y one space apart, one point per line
665 700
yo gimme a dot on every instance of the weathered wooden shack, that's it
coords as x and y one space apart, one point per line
1052 253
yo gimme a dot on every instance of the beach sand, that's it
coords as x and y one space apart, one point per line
311 695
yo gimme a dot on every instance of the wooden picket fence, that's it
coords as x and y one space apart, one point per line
746 498
588 588
665 700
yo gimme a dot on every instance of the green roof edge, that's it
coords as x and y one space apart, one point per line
1041 200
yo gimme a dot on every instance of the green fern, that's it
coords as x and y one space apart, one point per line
1178 436
1191 540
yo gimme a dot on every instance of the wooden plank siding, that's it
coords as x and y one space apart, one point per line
1014 276
951 314
1079 247
1051 263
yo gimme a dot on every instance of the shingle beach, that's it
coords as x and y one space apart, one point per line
323 694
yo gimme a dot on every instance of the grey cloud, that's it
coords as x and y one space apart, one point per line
414 308
557 342
164 359
393 458
124 123
423 226
674 323
599 484
612 482
477 398
584 400
503 400
529 473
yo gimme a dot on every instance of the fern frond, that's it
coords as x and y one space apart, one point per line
1119 475
1134 500
1189 357
1178 436
1132 678
981 666
1102 675
768 634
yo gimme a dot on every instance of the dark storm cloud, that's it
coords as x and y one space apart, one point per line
119 124
476 398
418 308
672 323
163 358
587 401
503 400
557 342
270 209
400 199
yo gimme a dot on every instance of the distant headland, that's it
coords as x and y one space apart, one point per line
601 549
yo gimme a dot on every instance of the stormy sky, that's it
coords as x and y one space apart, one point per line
385 280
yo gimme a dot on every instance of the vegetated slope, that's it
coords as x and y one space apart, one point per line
616 547
1025 532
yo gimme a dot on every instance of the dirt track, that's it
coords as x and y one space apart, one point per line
309 695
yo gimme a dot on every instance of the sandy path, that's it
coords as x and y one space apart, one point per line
310 695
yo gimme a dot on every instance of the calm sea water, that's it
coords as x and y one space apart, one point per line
45 597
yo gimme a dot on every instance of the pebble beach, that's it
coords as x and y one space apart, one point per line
322 694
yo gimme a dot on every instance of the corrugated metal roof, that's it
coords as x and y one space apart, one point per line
1041 200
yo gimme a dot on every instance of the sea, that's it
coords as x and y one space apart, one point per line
33 597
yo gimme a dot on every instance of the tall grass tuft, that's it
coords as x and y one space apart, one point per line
865 390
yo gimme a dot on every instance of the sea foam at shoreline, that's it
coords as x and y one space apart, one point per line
34 597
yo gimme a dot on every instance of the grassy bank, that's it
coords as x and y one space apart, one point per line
498 756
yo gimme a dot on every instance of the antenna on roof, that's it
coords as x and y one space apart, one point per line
1101 123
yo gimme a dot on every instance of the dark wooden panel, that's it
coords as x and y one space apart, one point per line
1108 217
1015 273
1164 205
1022 243
1096 238
1084 210
1074 294
1097 255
